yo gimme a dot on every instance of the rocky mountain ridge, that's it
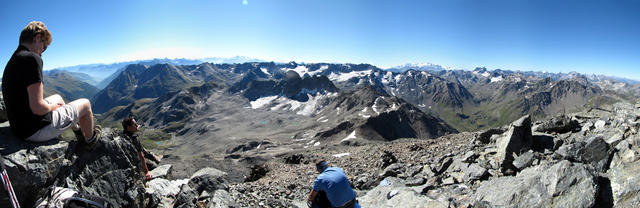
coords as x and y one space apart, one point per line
467 100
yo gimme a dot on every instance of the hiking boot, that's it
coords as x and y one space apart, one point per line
79 134
91 142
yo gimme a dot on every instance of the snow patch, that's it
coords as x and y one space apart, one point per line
264 70
341 154
386 79
260 102
301 70
351 136
375 103
485 74
346 76
496 79
316 144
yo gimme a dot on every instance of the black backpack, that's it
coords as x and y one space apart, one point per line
79 200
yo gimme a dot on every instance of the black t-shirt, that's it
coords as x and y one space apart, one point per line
133 138
23 69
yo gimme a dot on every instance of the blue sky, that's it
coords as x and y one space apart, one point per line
601 37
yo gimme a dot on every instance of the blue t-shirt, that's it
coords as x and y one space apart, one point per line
335 184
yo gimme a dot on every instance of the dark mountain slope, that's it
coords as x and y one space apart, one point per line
70 88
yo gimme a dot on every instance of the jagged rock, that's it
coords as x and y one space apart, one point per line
594 151
293 158
404 197
222 199
165 187
163 171
587 126
600 124
564 184
448 181
208 179
108 170
415 181
623 172
257 172
186 198
485 136
387 159
412 170
543 142
523 161
365 182
475 172
427 172
31 168
557 143
560 124
469 157
393 170
444 165
457 166
614 139
163 192
518 139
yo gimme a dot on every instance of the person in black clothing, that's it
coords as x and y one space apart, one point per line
31 116
130 127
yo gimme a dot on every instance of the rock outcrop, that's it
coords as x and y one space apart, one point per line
110 170
518 139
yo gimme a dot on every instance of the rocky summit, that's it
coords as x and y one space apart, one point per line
394 154
524 164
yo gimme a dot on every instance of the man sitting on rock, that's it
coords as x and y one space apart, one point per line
130 127
335 185
31 117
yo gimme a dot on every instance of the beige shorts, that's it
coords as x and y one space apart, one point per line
61 119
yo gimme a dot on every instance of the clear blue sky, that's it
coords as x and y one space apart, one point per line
600 37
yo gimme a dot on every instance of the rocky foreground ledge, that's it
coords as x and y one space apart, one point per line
110 170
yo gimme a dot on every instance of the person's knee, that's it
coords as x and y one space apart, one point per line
56 98
83 105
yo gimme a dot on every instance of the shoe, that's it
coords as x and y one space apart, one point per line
79 134
91 142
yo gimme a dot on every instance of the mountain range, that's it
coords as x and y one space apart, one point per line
100 75
233 116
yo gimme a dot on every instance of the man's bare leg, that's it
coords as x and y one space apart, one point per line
85 116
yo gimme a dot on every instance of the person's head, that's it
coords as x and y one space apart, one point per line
129 124
36 37
321 164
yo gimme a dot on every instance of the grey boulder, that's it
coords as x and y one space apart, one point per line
564 184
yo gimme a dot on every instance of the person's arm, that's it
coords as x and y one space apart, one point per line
312 195
36 102
147 175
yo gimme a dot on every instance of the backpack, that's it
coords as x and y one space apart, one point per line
57 197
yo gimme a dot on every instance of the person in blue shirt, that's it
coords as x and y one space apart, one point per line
334 184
